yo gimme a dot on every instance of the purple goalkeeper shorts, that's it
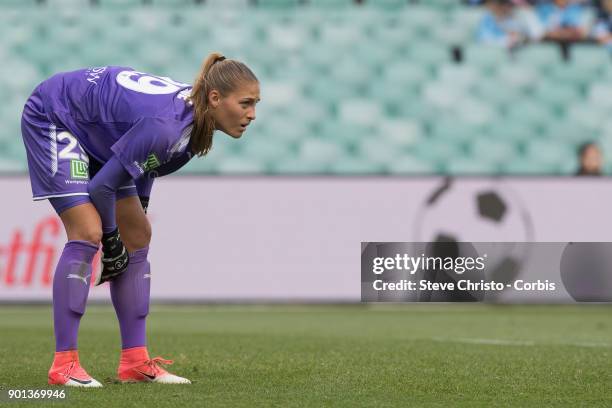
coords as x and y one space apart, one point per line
57 164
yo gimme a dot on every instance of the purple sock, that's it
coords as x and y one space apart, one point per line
70 291
130 295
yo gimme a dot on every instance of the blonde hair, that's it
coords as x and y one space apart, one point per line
224 75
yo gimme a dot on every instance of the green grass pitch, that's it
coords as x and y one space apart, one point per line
355 355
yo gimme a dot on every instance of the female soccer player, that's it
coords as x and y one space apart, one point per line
95 140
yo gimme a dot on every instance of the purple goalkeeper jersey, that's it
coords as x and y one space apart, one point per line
143 119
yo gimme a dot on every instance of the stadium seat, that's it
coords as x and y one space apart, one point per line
487 57
330 3
410 164
530 167
454 131
23 76
442 96
450 35
318 151
348 134
600 95
387 4
421 15
356 166
439 150
405 73
370 54
200 165
173 3
339 35
276 3
284 128
606 147
430 53
531 113
395 37
120 4
467 166
12 166
376 151
496 150
328 92
571 73
293 166
588 117
288 37
555 94
19 3
360 111
443 4
518 74
590 57
458 76
570 133
466 16
67 3
547 153
240 165
351 74
267 147
476 112
402 133
540 55
497 93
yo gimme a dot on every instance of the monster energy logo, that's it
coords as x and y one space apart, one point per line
151 162
78 169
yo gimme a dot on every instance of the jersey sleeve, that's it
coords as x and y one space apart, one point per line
172 165
145 146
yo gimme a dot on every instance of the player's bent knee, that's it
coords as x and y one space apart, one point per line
147 233
82 223
92 235
136 237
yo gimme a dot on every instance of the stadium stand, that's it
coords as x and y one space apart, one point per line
380 87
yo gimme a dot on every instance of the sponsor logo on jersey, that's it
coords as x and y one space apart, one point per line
93 74
79 169
151 163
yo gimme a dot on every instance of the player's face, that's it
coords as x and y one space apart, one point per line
234 112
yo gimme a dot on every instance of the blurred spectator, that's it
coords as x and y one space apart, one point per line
564 20
602 31
590 158
507 25
529 20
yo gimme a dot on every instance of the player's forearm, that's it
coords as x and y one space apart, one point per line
102 191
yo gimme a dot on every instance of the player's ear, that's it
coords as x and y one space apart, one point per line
214 97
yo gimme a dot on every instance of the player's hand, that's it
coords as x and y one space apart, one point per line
115 257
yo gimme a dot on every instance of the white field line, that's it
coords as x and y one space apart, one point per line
528 343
